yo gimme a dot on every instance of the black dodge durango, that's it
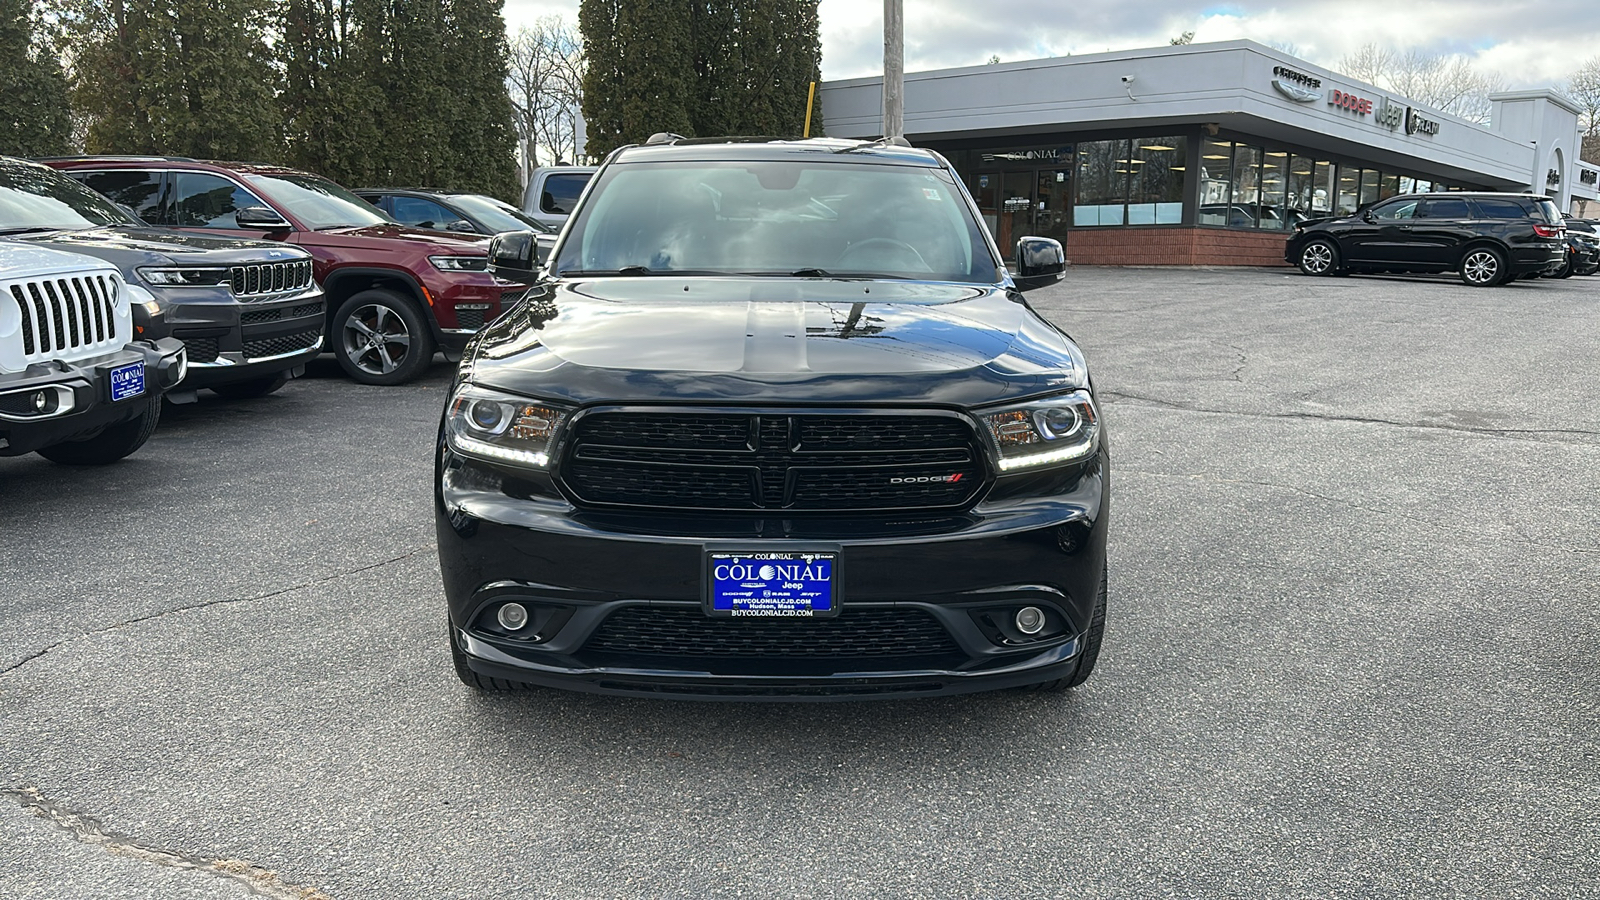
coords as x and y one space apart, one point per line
774 422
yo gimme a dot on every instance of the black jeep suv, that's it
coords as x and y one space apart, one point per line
248 313
775 422
1488 238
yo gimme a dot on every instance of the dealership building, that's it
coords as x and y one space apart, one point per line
1205 154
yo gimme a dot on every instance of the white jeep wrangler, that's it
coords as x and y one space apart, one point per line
75 385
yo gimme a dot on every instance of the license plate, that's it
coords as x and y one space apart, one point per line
772 583
127 381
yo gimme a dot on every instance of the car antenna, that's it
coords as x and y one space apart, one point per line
885 141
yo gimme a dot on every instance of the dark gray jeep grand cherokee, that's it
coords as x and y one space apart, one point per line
775 422
248 312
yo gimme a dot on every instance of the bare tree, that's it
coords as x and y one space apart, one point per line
1447 82
546 87
1584 88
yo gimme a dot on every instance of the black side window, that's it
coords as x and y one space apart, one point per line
1500 209
137 190
203 200
561 192
420 213
1444 209
1396 211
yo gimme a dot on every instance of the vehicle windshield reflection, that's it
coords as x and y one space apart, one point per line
847 219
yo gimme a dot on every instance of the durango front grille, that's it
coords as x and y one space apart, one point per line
69 317
859 634
260 282
278 346
791 462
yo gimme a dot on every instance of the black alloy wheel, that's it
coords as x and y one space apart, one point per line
1319 257
1482 267
381 337
112 444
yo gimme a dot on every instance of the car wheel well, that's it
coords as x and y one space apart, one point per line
340 287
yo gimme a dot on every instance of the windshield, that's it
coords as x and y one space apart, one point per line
34 198
495 214
318 202
810 218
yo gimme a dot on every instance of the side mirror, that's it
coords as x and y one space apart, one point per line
461 225
514 256
1040 262
1367 216
260 217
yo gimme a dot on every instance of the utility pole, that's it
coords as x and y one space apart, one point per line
894 68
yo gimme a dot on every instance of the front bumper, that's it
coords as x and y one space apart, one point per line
230 341
937 592
81 395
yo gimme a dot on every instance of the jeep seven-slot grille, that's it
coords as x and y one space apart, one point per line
859 634
64 315
791 462
256 282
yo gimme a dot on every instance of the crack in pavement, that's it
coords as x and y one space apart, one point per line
1476 532
1524 434
207 603
86 829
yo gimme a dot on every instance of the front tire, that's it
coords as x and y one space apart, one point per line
114 443
1319 257
381 337
1482 267
471 679
255 387
1089 655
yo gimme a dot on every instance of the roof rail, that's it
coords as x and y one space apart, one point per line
118 157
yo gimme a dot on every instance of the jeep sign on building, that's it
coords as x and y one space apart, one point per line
1206 153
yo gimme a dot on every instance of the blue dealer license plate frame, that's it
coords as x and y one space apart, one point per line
126 381
775 582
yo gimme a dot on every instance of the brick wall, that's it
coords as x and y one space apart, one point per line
1175 246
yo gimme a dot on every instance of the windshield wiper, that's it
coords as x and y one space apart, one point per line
811 273
879 142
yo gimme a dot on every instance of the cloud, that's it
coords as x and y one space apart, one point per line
1533 43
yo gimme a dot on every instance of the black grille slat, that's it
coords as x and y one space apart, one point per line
779 461
854 634
201 349
257 316
27 320
278 346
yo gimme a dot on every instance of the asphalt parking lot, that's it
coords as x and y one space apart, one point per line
1350 650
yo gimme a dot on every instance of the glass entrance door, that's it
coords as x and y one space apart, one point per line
1016 210
1051 217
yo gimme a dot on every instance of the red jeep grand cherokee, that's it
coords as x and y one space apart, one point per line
395 294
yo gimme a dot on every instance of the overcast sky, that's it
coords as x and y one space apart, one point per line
1529 43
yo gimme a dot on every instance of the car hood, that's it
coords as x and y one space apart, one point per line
658 339
382 237
130 247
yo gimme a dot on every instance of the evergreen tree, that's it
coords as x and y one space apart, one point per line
740 67
188 77
400 93
640 78
34 116
482 134
331 113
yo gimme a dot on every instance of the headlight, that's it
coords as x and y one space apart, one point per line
184 277
1045 432
460 263
502 427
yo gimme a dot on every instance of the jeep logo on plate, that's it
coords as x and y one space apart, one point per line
927 479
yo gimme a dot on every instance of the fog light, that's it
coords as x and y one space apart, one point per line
513 616
41 401
1030 620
